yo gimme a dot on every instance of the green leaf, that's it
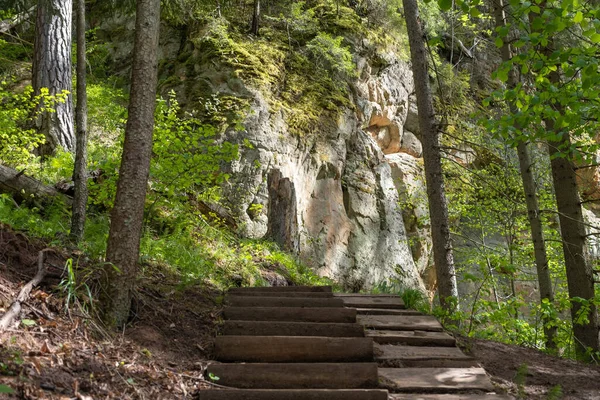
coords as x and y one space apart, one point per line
595 38
445 5
578 17
499 42
6 389
28 322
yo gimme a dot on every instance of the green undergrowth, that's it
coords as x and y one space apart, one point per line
185 170
197 251
303 61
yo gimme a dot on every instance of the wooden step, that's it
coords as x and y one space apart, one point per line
291 394
411 338
298 314
281 289
318 295
434 379
373 302
255 301
274 328
296 376
400 322
483 396
292 349
365 295
414 356
386 311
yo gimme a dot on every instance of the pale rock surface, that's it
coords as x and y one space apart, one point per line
409 177
350 222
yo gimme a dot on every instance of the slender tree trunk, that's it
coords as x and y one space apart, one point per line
52 69
256 18
80 170
438 206
123 246
529 187
537 237
580 278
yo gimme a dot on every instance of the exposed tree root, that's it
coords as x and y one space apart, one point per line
15 309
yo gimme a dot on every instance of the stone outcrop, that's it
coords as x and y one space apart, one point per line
350 225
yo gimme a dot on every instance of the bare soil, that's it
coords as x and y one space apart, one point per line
530 374
54 352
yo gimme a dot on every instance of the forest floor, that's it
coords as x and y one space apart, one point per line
59 352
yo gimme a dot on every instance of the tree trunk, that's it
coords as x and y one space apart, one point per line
123 246
529 187
438 206
580 278
256 18
52 69
25 188
80 170
537 237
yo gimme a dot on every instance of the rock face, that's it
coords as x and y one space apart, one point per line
331 198
350 221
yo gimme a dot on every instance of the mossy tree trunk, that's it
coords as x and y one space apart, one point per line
123 246
436 195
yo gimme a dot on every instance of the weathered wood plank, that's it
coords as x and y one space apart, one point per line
400 322
414 356
296 375
255 301
365 295
386 311
292 349
434 379
411 338
374 302
297 314
294 394
275 328
486 396
284 294
281 289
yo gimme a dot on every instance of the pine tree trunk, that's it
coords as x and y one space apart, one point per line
438 205
123 246
52 69
529 187
80 171
256 18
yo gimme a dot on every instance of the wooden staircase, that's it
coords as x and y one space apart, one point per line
306 343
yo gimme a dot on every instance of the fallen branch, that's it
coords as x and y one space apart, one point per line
15 309
8 24
24 188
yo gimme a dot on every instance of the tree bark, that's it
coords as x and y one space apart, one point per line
256 18
80 170
580 277
123 246
25 188
529 187
52 69
438 205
